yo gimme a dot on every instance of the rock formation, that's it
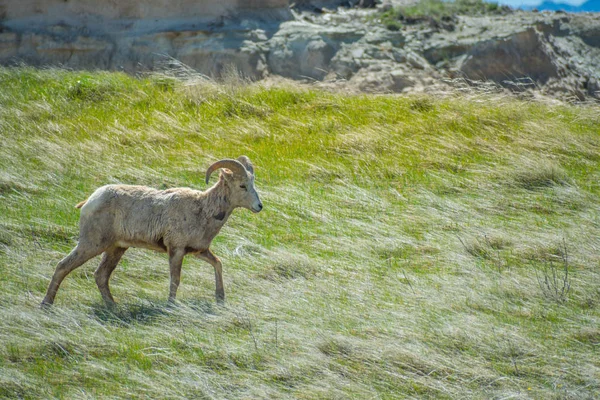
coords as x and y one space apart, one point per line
555 53
130 35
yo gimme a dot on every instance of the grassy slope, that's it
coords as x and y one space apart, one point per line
396 256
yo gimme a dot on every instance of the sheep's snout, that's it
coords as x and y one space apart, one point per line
256 208
254 200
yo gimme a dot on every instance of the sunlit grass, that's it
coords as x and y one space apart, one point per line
396 256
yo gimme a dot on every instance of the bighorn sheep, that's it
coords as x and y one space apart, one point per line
177 221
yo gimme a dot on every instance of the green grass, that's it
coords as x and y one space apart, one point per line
437 10
398 255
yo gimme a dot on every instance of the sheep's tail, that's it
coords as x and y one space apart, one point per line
81 204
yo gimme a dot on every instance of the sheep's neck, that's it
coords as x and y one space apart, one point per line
220 195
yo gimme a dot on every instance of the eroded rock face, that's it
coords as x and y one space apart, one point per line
302 50
130 35
521 55
550 52
555 53
319 5
53 10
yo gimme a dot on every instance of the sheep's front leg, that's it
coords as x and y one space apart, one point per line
175 261
213 260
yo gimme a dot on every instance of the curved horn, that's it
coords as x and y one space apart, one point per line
246 163
233 165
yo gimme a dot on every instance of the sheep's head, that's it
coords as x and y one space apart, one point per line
238 175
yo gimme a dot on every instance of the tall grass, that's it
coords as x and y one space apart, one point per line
396 256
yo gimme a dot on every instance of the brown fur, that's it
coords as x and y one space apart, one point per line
176 221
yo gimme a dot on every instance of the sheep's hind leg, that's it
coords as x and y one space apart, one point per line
213 260
75 259
175 261
105 269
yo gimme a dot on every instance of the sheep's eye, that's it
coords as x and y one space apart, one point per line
243 187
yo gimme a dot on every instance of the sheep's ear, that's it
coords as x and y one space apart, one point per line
245 161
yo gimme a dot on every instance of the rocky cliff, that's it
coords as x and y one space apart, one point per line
130 35
554 53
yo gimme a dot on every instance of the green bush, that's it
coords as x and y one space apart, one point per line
438 10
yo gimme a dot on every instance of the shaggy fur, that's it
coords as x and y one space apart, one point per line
176 221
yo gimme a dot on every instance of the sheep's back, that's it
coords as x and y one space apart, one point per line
131 213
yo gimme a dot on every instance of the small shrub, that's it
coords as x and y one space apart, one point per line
335 348
422 104
589 336
393 25
485 247
438 12
553 278
544 174
90 90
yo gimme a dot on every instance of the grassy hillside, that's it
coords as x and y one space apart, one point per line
410 247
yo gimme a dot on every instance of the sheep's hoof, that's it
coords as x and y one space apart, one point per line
111 305
44 305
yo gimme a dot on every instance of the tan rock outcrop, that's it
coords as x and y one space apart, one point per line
133 35
131 9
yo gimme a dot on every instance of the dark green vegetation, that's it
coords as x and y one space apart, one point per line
437 11
407 249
